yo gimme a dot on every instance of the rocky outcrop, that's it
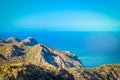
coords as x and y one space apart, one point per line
29 41
12 51
12 40
2 42
9 40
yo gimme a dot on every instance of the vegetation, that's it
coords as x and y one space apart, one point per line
4 48
28 71
104 72
22 62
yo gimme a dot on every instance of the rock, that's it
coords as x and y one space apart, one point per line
12 51
29 41
2 42
12 40
29 50
58 58
70 54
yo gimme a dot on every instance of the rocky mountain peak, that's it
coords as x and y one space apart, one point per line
12 40
30 41
70 55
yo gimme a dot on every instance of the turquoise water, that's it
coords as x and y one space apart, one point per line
92 48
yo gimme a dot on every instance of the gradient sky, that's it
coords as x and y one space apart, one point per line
60 15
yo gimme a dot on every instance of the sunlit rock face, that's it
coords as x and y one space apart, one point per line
12 40
30 41
29 50
58 58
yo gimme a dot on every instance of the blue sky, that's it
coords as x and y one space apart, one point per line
60 15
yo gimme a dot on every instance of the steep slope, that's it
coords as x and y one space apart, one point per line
9 40
29 50
10 50
29 41
12 40
2 42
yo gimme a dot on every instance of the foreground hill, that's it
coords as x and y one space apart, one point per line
28 71
29 60
104 72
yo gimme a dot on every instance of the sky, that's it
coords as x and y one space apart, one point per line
60 15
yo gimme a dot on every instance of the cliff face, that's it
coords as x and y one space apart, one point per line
29 60
29 41
12 40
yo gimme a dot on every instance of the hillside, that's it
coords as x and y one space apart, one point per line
104 72
28 71
29 60
29 50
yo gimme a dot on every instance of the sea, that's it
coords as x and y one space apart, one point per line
93 48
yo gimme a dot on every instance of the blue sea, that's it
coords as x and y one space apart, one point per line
93 48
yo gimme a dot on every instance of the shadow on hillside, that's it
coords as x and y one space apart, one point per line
2 57
38 73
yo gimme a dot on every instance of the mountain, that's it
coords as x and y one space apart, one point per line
29 50
9 40
28 60
12 40
29 41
